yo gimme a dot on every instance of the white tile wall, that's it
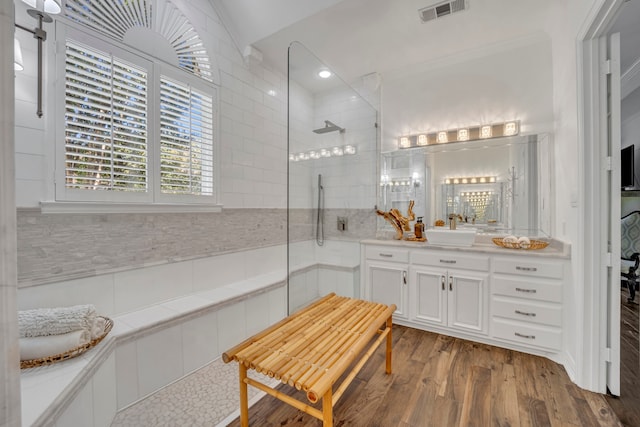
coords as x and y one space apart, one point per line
199 341
80 411
104 394
232 325
140 287
159 358
127 390
97 290
122 292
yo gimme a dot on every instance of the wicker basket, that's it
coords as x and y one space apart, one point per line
534 244
69 354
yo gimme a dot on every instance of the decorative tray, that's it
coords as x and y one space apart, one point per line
69 354
533 244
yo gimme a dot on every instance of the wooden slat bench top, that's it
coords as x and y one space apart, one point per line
313 347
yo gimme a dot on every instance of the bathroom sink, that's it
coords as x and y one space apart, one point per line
446 237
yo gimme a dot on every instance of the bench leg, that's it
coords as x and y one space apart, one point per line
389 325
327 409
244 401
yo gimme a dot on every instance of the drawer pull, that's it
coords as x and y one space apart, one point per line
526 268
450 283
442 279
448 261
529 337
524 313
528 291
386 255
404 277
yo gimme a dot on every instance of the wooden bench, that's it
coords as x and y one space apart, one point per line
311 349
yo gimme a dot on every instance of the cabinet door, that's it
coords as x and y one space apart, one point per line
429 296
388 285
466 301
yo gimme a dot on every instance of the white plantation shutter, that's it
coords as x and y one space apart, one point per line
105 122
186 139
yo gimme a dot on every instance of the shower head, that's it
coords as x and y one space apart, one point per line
329 127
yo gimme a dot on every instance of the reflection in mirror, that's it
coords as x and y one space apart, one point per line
498 186
332 180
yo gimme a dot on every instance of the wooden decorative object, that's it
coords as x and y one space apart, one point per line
534 244
311 349
400 223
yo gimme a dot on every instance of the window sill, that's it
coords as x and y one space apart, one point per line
100 207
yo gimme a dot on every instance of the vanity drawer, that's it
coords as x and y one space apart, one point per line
526 333
450 260
383 253
542 290
527 311
528 267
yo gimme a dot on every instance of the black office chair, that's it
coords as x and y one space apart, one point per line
630 253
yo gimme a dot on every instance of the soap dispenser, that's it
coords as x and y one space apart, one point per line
419 228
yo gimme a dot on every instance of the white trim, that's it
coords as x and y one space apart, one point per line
99 207
591 317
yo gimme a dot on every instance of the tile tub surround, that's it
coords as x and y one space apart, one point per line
149 349
169 310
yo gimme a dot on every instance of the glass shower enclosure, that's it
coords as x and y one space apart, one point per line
332 180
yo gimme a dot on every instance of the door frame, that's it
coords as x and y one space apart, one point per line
592 360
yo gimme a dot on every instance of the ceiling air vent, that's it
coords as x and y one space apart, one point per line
441 9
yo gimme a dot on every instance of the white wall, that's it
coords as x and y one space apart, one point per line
505 82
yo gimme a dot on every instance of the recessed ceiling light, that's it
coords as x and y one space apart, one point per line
324 74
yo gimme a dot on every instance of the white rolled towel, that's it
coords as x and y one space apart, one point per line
52 345
98 327
56 321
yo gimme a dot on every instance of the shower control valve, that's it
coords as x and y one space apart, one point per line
342 223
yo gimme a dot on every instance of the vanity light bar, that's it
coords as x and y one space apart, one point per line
497 130
345 150
471 180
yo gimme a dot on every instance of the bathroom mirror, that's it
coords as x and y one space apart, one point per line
499 186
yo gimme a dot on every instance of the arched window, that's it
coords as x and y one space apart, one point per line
139 106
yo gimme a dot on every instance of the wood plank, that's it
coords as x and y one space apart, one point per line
491 386
476 407
504 396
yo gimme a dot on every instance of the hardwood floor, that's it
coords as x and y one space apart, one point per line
444 381
627 406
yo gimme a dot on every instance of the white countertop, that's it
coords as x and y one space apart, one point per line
483 244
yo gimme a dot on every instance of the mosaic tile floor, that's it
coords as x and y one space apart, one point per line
207 397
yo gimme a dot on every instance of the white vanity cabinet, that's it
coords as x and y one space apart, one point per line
526 301
386 275
449 290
